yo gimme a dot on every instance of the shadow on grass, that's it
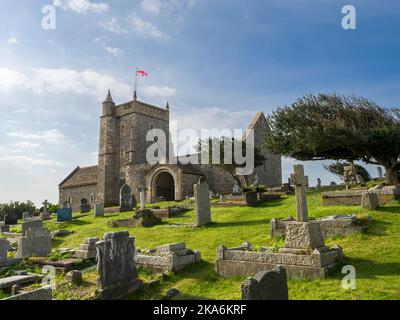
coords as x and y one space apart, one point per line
369 269
377 228
393 210
238 223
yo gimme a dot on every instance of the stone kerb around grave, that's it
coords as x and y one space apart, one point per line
168 258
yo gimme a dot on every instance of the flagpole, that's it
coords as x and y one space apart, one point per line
136 79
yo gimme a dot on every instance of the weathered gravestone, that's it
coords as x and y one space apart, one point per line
26 215
32 223
10 219
64 214
36 242
99 210
202 204
45 215
85 206
125 198
370 200
236 189
266 285
380 172
116 265
4 260
302 234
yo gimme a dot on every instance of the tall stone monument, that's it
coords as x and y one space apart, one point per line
202 204
302 234
116 266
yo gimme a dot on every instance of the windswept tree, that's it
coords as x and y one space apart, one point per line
333 127
221 152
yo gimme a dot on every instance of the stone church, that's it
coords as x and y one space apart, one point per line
122 161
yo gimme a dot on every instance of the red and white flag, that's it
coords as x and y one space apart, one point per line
142 73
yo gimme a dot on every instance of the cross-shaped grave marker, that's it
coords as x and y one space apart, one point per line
300 181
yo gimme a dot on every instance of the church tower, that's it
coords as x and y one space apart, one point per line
108 155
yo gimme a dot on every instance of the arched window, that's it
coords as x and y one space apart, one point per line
92 198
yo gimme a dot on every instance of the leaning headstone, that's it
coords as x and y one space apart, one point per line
202 204
116 265
36 242
32 223
125 198
266 285
370 200
64 214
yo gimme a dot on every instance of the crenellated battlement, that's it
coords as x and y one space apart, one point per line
142 108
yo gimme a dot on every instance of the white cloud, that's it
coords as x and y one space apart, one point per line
26 145
165 6
52 135
29 162
113 26
87 82
113 51
82 6
13 40
147 30
158 92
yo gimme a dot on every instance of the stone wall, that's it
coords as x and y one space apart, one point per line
353 197
76 194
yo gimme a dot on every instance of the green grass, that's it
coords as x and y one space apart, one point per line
375 254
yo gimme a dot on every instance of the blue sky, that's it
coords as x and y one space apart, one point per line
217 62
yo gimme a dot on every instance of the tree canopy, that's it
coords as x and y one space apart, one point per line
334 127
216 147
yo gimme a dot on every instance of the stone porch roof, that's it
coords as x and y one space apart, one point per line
81 177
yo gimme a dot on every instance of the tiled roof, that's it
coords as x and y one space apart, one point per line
81 177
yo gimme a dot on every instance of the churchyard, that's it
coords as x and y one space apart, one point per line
373 252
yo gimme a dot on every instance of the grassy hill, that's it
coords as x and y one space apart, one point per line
375 254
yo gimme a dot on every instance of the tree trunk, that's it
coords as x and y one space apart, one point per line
392 175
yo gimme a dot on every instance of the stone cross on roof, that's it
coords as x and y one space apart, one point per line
300 181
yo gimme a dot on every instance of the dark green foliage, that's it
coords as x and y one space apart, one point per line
337 168
332 127
215 147
16 208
